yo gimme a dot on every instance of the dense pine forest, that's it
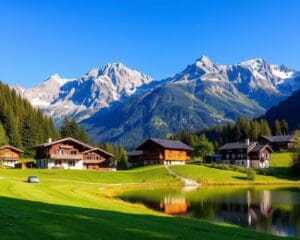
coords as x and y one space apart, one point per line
239 131
246 128
21 125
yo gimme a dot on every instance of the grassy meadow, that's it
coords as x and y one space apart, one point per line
74 204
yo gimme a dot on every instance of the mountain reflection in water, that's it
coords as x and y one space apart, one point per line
275 211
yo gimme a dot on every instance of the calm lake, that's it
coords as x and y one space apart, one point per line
271 210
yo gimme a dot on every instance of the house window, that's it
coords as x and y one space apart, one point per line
227 156
57 162
71 163
233 156
60 152
73 152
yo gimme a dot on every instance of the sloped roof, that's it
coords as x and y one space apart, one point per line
260 147
237 145
135 153
100 150
64 140
170 144
283 138
11 147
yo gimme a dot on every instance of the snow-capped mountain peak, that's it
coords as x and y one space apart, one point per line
98 88
203 61
103 87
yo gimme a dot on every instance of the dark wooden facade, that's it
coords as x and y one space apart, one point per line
71 154
253 154
160 151
279 142
9 155
96 158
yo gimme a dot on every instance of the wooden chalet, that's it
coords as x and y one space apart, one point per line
160 151
246 154
279 142
9 155
69 153
97 158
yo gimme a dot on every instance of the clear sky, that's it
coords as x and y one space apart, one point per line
158 37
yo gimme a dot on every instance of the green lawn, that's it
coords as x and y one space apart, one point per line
65 206
280 167
281 159
150 174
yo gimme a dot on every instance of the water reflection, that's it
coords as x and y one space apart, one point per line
174 205
275 211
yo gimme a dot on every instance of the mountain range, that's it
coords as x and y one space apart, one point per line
119 104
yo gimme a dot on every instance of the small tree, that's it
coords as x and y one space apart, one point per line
251 174
296 155
203 147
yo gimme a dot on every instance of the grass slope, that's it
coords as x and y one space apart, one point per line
284 159
280 167
73 209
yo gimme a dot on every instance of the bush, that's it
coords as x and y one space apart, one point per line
251 174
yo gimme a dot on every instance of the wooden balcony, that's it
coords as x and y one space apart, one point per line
66 157
9 158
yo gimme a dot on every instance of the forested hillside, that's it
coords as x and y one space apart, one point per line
288 110
20 124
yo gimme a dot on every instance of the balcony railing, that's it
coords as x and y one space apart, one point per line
66 156
9 158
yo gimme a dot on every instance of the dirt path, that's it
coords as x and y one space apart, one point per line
185 181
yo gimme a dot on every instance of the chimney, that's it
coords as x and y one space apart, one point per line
247 142
50 140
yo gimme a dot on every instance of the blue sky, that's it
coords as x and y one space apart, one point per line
159 38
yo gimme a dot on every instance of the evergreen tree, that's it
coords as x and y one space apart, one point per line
277 128
3 136
119 152
24 126
284 127
70 128
265 128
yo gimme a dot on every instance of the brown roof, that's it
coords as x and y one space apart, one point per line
63 140
100 150
11 147
283 138
259 147
170 144
237 145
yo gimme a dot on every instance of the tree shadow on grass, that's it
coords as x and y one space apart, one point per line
240 177
23 219
284 173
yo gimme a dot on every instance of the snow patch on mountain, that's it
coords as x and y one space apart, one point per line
81 98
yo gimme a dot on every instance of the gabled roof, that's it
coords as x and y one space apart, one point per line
237 145
64 140
259 147
283 138
11 147
170 144
100 150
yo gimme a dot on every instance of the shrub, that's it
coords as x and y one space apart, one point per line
251 174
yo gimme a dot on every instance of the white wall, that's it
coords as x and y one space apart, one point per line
174 162
65 164
9 163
